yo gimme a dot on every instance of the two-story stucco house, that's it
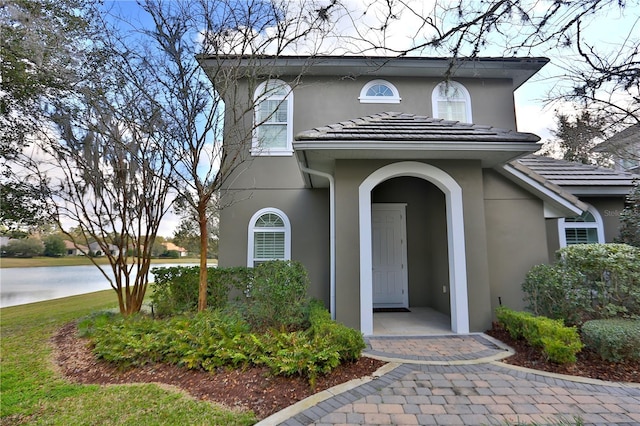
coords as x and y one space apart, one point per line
370 173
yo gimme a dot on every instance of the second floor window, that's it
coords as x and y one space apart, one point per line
273 123
379 92
450 100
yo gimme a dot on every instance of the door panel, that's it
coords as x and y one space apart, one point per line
390 286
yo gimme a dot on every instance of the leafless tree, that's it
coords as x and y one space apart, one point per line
183 31
603 79
107 171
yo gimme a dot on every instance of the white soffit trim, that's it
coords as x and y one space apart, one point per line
555 204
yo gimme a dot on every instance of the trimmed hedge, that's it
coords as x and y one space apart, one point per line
614 340
559 343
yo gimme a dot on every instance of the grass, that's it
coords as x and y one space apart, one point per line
33 393
12 262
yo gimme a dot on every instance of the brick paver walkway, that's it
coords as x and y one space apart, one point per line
436 349
473 395
459 392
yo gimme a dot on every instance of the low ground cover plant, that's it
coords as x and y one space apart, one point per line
558 342
587 281
615 340
218 338
270 322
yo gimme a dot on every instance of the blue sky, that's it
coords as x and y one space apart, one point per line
603 32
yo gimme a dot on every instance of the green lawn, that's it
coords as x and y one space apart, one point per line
12 262
32 393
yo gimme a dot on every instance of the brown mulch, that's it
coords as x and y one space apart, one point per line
255 389
588 364
249 389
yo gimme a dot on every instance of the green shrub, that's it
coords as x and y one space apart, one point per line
130 341
348 342
88 325
277 296
315 351
175 289
559 343
214 339
553 292
614 340
588 281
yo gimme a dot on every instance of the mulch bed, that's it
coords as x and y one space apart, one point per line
248 389
255 389
589 364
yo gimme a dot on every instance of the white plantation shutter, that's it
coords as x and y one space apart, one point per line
584 229
269 237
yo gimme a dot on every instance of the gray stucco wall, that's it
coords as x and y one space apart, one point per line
516 238
320 101
261 182
349 175
308 212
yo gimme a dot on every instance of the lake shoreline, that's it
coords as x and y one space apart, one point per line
35 262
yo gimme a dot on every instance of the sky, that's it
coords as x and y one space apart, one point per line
533 114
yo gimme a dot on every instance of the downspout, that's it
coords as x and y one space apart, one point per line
332 236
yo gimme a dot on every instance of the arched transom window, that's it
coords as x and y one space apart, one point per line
450 100
269 237
273 126
584 229
379 92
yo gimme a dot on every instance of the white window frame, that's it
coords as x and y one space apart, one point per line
260 96
252 229
435 98
393 99
598 225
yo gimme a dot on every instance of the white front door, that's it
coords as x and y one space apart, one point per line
389 250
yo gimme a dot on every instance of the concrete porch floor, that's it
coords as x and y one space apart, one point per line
419 322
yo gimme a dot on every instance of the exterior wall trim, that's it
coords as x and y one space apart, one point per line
455 240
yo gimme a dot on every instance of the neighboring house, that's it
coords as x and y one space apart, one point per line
172 247
624 148
97 251
73 250
415 207
602 190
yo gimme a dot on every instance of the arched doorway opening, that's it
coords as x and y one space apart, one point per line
455 244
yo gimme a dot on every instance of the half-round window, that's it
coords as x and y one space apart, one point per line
379 92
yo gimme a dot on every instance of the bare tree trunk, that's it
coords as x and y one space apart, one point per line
204 240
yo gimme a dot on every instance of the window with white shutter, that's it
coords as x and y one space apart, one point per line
269 237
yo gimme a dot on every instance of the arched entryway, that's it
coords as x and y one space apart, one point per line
455 239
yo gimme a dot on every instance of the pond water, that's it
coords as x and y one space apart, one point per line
27 285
